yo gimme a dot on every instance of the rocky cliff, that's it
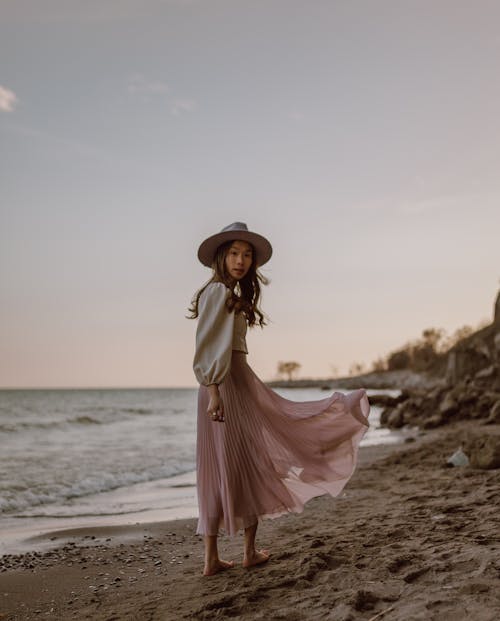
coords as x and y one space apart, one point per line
470 388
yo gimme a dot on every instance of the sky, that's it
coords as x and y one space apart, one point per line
362 138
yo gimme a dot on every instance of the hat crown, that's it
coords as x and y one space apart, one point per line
235 226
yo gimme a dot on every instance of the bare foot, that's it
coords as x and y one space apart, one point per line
214 567
257 558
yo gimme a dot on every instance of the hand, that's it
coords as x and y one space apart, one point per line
215 408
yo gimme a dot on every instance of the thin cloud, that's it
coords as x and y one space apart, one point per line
420 206
148 90
179 106
434 204
78 148
8 100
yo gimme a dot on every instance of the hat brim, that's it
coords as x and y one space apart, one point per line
262 247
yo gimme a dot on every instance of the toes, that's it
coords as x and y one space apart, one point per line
220 566
261 556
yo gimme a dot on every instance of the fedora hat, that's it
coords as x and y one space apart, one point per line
233 232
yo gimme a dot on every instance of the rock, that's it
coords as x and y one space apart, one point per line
494 416
364 600
435 392
396 418
433 421
384 416
496 343
384 401
487 372
484 452
470 355
448 405
484 404
405 394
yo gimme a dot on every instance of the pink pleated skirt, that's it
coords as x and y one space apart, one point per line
271 455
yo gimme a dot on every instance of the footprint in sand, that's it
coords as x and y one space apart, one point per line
399 562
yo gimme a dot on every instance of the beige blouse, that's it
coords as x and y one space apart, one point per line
218 333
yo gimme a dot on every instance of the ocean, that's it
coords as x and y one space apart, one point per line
105 456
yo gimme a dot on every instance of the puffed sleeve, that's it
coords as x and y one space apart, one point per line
214 335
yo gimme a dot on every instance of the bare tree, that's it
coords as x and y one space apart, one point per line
334 370
288 368
356 368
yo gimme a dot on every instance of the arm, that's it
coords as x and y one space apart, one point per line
214 338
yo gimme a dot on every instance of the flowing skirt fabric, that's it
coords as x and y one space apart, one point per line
271 455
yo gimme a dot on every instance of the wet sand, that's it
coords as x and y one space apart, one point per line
408 539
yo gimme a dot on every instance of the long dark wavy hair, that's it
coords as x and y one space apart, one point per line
245 293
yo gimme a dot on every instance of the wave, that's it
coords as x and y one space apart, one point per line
15 500
116 410
64 516
85 420
20 426
105 415
141 411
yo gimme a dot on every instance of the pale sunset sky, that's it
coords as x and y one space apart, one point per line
361 137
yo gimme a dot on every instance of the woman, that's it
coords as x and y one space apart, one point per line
258 454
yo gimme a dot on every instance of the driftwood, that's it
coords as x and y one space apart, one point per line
380 614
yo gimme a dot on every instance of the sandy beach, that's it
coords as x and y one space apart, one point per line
410 538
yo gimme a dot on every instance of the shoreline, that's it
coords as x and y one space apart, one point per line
157 500
160 500
22 535
407 538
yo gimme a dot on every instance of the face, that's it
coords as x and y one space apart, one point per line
239 259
